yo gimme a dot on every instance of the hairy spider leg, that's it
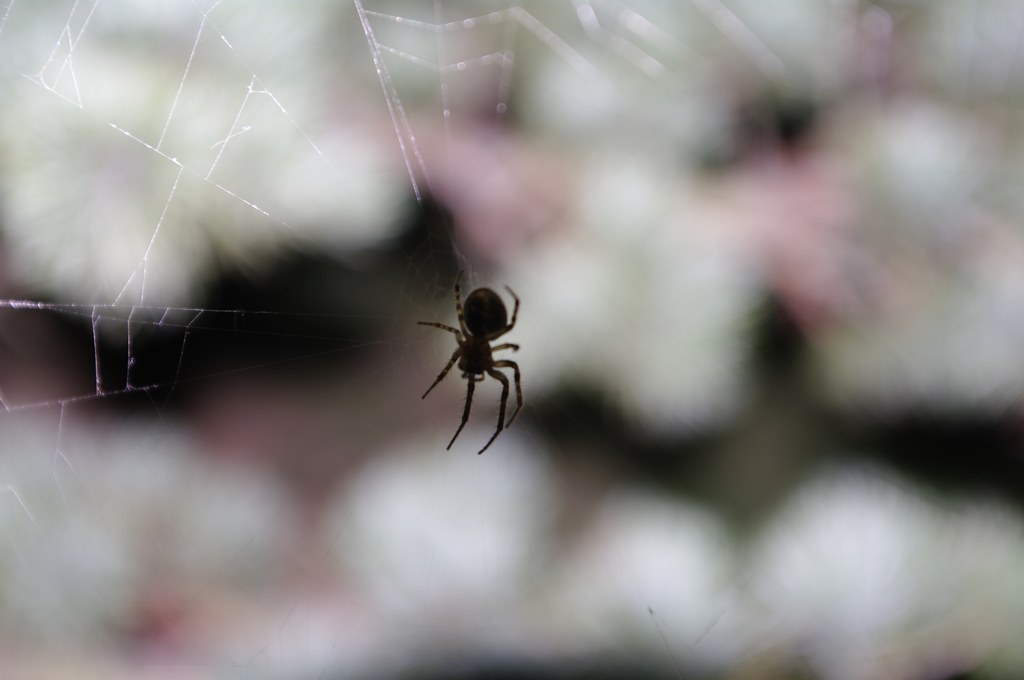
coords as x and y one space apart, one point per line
471 385
451 362
439 325
505 363
500 377
458 304
506 345
515 310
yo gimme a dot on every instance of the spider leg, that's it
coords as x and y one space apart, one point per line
470 386
451 362
515 310
505 363
506 345
458 303
501 406
439 325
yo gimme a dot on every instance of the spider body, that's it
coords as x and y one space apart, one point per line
485 312
482 319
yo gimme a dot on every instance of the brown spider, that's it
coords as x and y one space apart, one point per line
482 319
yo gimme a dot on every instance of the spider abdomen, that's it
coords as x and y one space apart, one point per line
484 312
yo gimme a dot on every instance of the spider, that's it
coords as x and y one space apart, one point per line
482 319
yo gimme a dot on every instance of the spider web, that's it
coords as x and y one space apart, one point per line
112 235
147 143
63 78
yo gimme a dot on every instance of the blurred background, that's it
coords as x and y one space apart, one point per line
771 264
